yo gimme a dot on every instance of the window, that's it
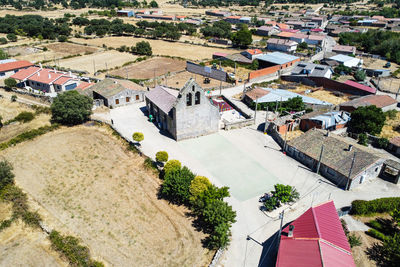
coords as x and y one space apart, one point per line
331 172
117 101
193 88
128 99
376 169
197 98
189 99
137 97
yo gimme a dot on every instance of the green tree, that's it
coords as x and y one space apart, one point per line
360 75
303 45
12 37
219 237
14 98
71 108
285 193
3 54
3 40
176 185
10 82
138 137
142 48
369 119
172 165
198 185
391 250
6 174
242 38
62 38
204 198
162 156
363 139
294 104
217 212
153 4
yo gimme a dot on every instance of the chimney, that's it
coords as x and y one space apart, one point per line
49 76
70 74
291 228
38 74
350 147
40 65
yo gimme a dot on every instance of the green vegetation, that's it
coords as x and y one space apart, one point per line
13 98
25 116
294 104
12 37
142 48
383 43
34 26
343 69
243 37
214 216
71 108
10 83
363 139
369 119
219 29
230 63
3 54
282 194
138 137
360 75
226 3
69 246
29 135
162 156
376 234
380 205
3 41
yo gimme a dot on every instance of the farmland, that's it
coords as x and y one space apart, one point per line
109 202
160 47
151 68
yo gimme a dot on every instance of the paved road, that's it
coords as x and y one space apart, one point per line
252 162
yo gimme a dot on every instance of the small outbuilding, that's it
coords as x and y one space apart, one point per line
347 61
384 102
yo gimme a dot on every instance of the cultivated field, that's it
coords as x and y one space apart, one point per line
160 47
151 68
97 61
92 188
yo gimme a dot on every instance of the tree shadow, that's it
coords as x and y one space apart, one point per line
376 253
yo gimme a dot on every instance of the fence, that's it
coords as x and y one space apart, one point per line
237 124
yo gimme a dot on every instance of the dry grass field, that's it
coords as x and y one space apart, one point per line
152 67
375 63
160 47
391 128
322 94
85 183
179 79
8 110
99 61
22 245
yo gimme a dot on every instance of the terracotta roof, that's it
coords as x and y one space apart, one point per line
84 85
15 65
336 155
62 80
282 26
318 240
300 36
378 100
361 86
344 48
164 98
45 76
257 93
395 141
254 51
285 34
317 37
233 17
25 73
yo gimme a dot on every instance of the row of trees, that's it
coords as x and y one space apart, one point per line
214 215
384 43
218 3
222 29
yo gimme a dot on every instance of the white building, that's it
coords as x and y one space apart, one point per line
348 61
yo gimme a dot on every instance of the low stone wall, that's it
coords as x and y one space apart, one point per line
237 124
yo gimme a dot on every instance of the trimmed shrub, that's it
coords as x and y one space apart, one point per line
25 116
176 185
198 185
271 203
376 234
380 205
162 156
138 137
172 165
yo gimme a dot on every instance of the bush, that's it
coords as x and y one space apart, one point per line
391 114
176 185
172 165
363 139
138 137
376 225
271 203
10 82
369 119
380 205
13 98
71 108
382 143
62 38
162 156
69 246
142 48
149 164
3 40
376 234
12 37
24 117
360 75
354 240
198 185
285 193
6 174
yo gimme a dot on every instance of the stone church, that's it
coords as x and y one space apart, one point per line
184 113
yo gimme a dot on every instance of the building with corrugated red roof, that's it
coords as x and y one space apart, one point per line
251 53
9 68
316 238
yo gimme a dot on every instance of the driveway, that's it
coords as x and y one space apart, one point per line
249 162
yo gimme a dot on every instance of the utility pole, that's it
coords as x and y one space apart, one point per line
220 88
255 110
154 77
280 228
320 158
351 168
94 68
106 68
266 120
398 91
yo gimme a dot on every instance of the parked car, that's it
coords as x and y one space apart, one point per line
388 64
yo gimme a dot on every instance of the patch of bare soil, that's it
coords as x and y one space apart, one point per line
359 253
71 49
84 183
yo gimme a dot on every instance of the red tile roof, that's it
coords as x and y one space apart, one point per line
257 93
283 26
361 86
344 48
84 85
395 141
254 51
45 76
380 101
25 73
318 240
15 65
63 79
285 34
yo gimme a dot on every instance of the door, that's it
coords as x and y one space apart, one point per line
137 97
128 99
117 101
